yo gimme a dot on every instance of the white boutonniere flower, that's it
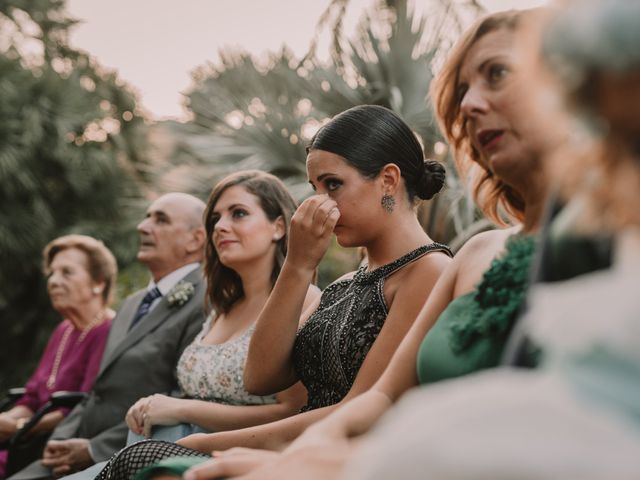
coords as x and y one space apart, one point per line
180 294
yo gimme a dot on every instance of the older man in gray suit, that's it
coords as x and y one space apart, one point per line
147 337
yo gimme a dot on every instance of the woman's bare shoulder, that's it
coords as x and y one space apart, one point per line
476 256
428 266
488 243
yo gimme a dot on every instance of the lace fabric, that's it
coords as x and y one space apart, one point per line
215 372
331 346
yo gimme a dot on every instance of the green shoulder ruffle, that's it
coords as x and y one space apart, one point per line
498 297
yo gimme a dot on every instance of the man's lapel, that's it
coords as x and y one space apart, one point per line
120 326
125 339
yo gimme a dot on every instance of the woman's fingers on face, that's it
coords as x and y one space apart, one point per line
322 213
332 220
307 210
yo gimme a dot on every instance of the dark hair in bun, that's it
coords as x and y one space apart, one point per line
370 137
433 181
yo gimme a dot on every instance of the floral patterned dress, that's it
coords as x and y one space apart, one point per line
205 372
215 372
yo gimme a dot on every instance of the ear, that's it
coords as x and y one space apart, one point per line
196 243
279 228
390 177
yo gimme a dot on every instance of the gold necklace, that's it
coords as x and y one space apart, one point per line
51 381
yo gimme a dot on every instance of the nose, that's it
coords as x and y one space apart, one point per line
222 225
143 226
473 102
53 279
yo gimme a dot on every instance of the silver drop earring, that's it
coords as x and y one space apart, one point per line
388 202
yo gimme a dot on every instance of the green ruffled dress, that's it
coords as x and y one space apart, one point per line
472 331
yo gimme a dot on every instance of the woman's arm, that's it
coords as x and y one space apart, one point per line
269 366
216 417
405 307
357 416
270 436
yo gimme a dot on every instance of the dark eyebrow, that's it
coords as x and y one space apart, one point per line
231 207
236 205
324 175
159 214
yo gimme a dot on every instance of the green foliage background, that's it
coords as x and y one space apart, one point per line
70 149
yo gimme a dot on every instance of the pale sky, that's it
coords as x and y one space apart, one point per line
155 44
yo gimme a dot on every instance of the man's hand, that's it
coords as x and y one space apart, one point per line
66 456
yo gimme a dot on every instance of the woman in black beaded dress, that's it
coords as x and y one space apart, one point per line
368 171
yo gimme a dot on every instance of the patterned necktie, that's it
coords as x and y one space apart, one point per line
145 305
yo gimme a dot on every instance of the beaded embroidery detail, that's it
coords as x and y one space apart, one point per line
331 346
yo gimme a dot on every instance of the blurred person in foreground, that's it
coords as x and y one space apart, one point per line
148 334
578 416
81 274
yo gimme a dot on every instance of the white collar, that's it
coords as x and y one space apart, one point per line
166 283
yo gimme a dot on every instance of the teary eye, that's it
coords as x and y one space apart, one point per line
332 184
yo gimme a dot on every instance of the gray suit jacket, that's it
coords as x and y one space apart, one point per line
135 364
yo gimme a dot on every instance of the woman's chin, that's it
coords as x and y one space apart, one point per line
62 309
345 241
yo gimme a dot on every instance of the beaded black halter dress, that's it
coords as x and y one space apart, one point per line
331 346
328 353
